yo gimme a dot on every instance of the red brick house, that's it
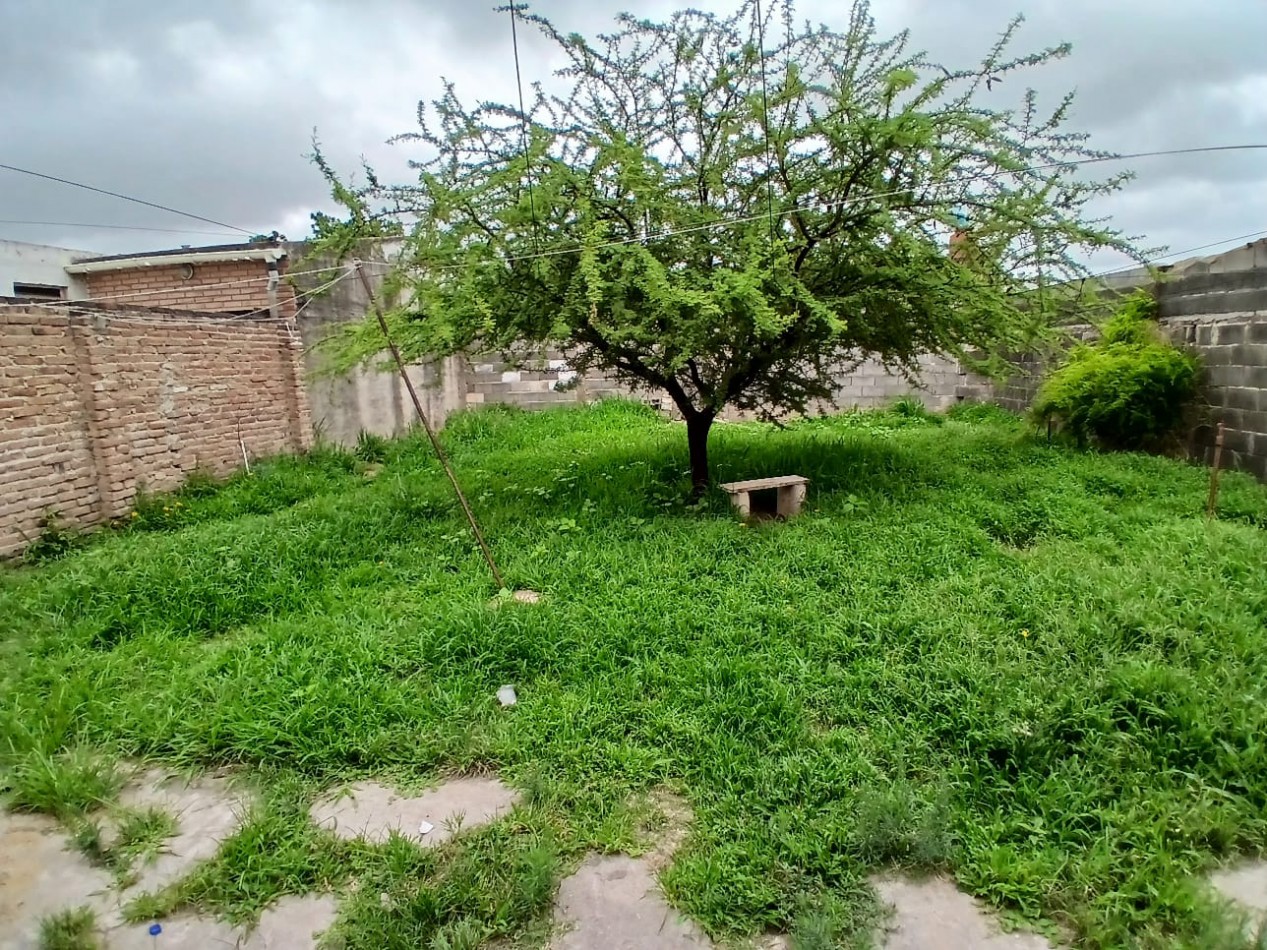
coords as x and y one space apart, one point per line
228 278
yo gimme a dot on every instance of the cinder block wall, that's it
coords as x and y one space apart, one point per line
536 385
1233 348
95 403
219 287
375 401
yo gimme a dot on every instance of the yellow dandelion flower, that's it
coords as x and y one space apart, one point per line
1025 633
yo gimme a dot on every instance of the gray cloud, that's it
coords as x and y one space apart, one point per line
210 107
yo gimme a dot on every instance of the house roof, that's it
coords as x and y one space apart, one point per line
260 251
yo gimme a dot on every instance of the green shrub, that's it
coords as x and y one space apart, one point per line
908 407
57 539
370 447
1129 390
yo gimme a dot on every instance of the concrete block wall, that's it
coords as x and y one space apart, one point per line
1233 349
374 400
536 385
871 386
541 382
368 398
100 402
1216 306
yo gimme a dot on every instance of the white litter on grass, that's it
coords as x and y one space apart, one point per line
506 696
425 828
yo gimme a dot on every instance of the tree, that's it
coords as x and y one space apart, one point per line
735 210
339 237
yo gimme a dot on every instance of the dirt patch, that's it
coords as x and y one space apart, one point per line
669 828
932 912
372 811
614 902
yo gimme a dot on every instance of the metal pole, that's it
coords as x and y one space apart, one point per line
426 424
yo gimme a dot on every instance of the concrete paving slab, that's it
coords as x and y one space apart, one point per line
1246 886
372 811
40 874
293 923
1245 883
613 902
207 809
183 932
932 914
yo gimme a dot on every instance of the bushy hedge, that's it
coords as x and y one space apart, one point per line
1128 390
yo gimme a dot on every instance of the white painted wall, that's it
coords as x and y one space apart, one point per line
39 264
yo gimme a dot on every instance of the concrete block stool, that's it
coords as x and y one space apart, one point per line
791 495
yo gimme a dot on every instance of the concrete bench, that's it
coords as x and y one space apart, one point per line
791 489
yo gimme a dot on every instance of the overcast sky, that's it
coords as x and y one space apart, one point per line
210 107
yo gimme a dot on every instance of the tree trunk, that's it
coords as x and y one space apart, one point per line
698 425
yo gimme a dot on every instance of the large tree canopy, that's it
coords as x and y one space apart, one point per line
736 209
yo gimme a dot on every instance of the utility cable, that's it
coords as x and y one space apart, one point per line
765 121
168 290
1188 250
523 115
115 194
115 227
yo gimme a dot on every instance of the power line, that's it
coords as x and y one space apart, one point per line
112 227
115 194
1188 250
765 120
519 83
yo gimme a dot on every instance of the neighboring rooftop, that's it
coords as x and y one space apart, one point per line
1251 256
250 246
256 250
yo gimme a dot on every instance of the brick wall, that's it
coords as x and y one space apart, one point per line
97 402
217 287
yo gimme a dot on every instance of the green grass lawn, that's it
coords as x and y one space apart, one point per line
1041 670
